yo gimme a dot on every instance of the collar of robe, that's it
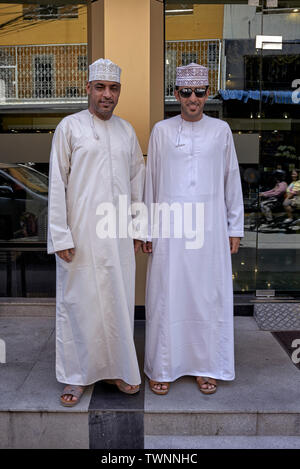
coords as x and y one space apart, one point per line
92 122
180 127
179 133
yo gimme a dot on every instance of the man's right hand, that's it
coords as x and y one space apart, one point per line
147 247
66 255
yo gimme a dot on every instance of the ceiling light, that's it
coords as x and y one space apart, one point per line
177 12
188 10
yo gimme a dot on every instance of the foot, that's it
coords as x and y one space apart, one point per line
127 388
71 395
159 387
207 385
123 386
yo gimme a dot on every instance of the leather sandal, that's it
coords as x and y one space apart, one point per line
201 381
74 391
121 385
161 392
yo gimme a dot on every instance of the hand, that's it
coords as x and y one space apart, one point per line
66 254
137 245
147 247
234 244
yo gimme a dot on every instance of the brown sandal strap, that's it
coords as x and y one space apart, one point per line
158 382
212 381
206 381
74 391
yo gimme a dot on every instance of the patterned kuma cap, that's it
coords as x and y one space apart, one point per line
192 75
104 70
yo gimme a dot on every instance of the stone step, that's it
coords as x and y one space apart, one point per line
27 307
219 423
262 401
221 442
37 429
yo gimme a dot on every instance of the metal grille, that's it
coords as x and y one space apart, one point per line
205 52
277 317
43 73
7 73
58 73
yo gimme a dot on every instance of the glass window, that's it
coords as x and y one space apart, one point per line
257 91
43 73
43 66
23 202
36 12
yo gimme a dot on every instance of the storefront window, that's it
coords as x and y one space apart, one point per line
24 203
43 72
254 88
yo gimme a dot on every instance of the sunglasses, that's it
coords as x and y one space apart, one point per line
187 92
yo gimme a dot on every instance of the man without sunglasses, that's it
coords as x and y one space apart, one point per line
95 159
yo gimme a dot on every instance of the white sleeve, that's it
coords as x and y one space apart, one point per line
59 234
233 191
137 181
150 196
137 171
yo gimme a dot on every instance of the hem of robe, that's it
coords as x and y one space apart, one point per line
89 383
192 373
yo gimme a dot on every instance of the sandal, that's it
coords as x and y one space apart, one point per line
122 386
206 381
74 391
159 391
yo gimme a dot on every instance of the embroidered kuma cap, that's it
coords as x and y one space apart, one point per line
105 70
192 75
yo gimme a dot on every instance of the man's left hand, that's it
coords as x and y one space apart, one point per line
234 244
137 245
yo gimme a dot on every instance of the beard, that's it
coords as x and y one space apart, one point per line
103 111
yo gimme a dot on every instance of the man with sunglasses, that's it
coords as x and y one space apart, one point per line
189 303
192 100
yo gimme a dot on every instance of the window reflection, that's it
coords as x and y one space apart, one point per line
256 93
23 203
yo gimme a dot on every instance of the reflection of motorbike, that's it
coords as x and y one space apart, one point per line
280 225
253 216
255 220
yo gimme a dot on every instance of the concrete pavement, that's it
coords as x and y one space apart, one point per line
261 408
